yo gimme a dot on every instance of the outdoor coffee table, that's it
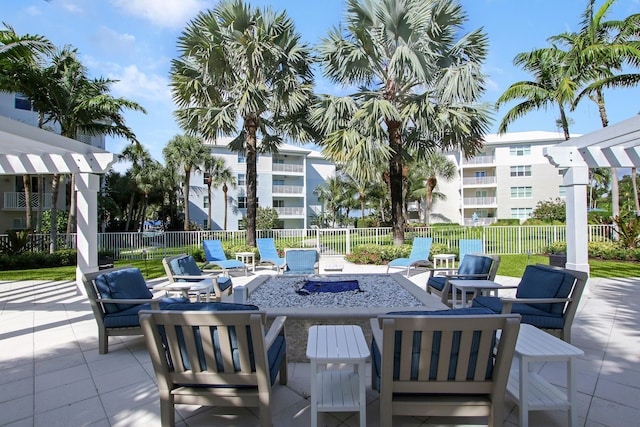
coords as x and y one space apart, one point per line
190 287
244 257
339 390
464 285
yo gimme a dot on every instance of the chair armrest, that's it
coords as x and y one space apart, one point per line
277 327
508 302
466 276
376 332
188 277
433 271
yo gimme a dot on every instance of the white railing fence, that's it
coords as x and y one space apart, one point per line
500 240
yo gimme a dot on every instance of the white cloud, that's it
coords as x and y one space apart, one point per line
33 11
163 13
71 6
113 42
137 85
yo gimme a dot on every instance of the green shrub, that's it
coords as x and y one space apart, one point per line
439 248
555 248
31 260
507 221
376 254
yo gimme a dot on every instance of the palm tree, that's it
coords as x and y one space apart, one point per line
139 157
596 55
330 194
18 54
420 84
217 173
147 180
552 86
436 165
188 153
243 65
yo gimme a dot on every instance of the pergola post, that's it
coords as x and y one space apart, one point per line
87 186
575 181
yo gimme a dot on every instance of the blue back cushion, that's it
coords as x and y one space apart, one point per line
122 284
475 264
185 266
541 282
301 260
435 350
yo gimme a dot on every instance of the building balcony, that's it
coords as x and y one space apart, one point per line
287 167
290 212
480 202
469 222
16 200
479 160
288 189
479 180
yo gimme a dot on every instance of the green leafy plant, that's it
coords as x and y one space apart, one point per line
18 241
628 230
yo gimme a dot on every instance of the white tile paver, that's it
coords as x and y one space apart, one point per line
49 363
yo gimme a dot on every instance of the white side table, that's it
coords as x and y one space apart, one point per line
337 390
442 260
244 257
530 390
465 285
198 288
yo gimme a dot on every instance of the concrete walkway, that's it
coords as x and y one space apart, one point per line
52 375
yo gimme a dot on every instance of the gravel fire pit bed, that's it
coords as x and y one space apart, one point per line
380 294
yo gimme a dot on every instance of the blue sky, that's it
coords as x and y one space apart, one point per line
133 41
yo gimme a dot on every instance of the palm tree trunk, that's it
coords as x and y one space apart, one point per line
251 125
615 187
71 222
130 211
40 203
28 196
634 178
55 190
395 179
362 204
187 186
224 191
209 210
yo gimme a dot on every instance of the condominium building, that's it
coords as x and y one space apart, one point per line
506 179
286 183
12 210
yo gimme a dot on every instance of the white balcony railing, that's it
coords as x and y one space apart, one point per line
288 189
479 180
17 200
287 167
480 201
479 221
479 160
290 211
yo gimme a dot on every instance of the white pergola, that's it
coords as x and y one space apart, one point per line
26 149
616 146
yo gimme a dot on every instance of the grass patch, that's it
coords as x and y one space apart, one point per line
510 265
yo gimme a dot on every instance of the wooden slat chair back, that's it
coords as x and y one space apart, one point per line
214 359
430 365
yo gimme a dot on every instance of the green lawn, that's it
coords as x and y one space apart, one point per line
510 265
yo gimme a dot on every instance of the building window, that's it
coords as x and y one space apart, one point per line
242 180
205 178
241 158
480 174
205 202
521 213
563 191
22 102
205 224
521 193
278 203
521 170
242 202
277 182
520 150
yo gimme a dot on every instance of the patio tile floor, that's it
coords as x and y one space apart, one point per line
52 375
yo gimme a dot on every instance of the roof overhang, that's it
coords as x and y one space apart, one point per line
26 149
615 146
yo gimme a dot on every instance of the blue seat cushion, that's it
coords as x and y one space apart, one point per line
185 266
435 350
540 282
475 264
122 284
437 282
275 353
129 318
531 315
301 261
230 263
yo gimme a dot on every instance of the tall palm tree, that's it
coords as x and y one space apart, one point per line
330 194
19 54
147 180
436 165
420 83
596 56
552 86
139 157
187 153
239 64
217 173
